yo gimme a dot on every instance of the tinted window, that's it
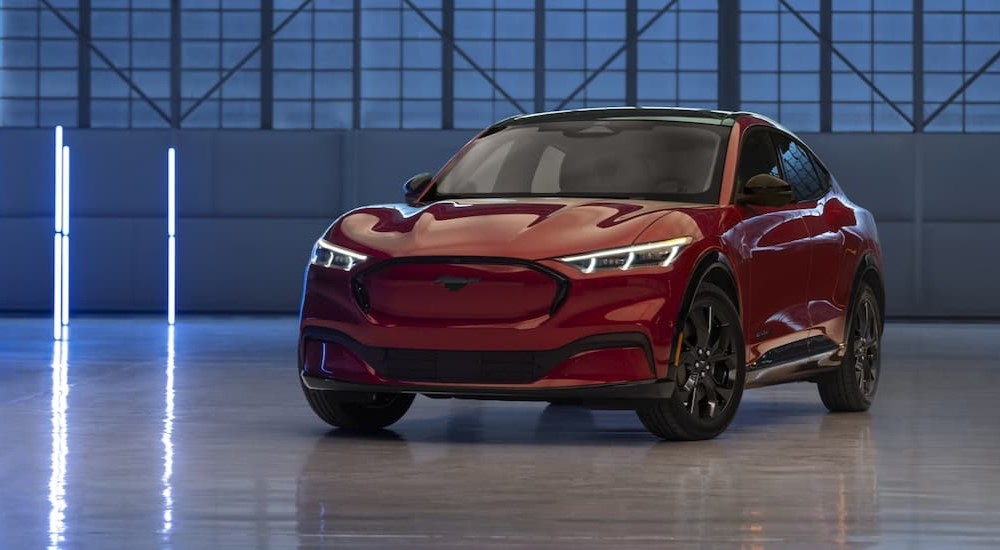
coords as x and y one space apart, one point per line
603 158
756 157
798 169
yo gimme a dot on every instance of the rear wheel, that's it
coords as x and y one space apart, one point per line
852 387
358 412
710 373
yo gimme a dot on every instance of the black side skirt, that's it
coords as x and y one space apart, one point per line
799 361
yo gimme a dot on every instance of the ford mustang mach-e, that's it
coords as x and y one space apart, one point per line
654 259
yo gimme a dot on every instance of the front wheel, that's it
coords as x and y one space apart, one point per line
358 412
851 388
710 374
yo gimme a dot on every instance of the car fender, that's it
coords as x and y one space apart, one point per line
863 240
868 268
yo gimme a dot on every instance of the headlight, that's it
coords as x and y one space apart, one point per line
640 255
326 254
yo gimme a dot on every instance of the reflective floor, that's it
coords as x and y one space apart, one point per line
135 436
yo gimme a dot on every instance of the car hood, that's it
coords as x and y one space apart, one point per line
522 228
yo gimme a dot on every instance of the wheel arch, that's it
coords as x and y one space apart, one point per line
868 271
715 268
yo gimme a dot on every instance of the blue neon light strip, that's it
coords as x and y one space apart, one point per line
61 214
60 263
171 236
64 313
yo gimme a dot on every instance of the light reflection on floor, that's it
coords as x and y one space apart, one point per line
60 443
167 436
198 436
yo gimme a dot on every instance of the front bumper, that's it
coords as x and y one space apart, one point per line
477 324
595 360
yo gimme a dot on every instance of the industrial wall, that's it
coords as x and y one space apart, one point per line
251 203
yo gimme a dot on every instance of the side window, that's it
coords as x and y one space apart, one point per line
756 157
799 170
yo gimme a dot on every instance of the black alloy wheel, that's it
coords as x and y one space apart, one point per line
706 375
866 348
853 386
710 372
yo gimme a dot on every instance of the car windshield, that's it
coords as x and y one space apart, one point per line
677 161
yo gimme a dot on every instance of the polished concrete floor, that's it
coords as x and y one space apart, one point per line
135 436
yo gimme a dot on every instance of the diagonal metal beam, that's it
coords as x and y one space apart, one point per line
961 89
246 58
864 78
630 40
107 61
447 37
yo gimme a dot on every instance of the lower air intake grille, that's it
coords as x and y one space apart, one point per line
492 367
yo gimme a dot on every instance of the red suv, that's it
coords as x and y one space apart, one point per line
654 259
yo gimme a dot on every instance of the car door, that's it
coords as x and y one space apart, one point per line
825 217
775 244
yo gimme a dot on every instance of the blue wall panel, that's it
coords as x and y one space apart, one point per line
118 263
250 204
25 261
243 264
960 177
961 269
118 173
286 174
27 186
900 286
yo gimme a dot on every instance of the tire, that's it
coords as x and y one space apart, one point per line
710 374
852 387
358 412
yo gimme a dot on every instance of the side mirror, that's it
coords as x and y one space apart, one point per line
766 190
415 186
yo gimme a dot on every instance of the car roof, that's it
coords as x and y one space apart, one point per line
705 116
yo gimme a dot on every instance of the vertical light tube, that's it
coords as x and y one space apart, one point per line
59 178
65 239
57 287
171 236
57 247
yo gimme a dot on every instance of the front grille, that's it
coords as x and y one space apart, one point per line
491 367
458 291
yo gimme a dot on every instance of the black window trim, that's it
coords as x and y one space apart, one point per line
738 185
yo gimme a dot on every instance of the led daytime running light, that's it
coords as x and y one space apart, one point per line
353 258
630 253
